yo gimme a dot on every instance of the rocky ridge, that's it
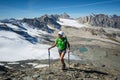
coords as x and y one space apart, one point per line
101 20
76 71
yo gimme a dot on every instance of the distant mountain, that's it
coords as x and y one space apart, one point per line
22 40
43 22
19 28
51 23
65 16
24 27
101 20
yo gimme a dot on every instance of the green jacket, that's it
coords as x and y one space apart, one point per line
61 43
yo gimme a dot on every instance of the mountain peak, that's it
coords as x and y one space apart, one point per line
65 15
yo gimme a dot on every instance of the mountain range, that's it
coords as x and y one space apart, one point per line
101 20
98 20
94 39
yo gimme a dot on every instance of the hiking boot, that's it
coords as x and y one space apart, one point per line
63 66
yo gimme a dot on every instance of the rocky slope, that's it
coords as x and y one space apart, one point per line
101 20
76 71
43 22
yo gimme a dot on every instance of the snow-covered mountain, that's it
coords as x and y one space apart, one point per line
24 46
24 39
70 22
19 43
27 38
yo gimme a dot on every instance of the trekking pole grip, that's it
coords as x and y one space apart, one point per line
49 52
49 57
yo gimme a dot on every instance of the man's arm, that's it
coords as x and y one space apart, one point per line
52 46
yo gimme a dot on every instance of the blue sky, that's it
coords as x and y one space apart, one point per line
75 8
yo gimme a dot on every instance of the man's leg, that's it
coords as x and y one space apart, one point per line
62 59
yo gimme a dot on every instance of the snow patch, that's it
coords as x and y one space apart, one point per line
33 32
70 22
37 65
22 66
41 65
33 64
9 35
50 27
1 64
1 23
12 26
13 63
8 67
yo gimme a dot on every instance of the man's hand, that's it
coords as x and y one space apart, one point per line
68 50
49 49
52 46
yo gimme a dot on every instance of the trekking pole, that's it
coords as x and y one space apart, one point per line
69 59
49 59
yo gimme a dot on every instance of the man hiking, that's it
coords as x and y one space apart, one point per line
62 44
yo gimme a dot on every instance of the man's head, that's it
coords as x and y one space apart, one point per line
60 34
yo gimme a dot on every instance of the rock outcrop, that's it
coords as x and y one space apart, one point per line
43 22
64 15
101 20
77 71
